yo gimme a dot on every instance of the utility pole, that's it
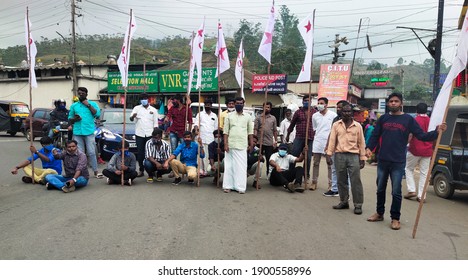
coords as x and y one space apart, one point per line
438 50
335 46
73 48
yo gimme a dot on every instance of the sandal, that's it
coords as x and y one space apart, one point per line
227 190
99 176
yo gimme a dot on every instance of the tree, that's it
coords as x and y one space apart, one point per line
419 92
252 36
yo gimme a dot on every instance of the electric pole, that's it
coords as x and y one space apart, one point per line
438 50
335 46
73 49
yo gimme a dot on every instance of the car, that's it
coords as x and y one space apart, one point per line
109 131
450 171
40 117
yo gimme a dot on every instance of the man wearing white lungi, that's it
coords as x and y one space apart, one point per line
238 131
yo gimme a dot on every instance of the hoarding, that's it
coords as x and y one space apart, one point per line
333 83
137 82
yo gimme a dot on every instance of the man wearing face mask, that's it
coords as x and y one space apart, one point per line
321 122
81 116
231 107
146 117
50 165
208 123
177 114
282 173
115 168
270 133
299 121
394 129
157 152
284 130
213 153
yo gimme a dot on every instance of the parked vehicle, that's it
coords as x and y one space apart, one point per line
450 171
61 135
109 129
12 114
40 119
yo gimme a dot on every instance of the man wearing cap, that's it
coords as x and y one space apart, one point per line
281 171
146 119
208 123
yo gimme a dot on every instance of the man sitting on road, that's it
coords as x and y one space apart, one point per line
282 173
76 169
157 152
216 148
115 168
50 165
252 161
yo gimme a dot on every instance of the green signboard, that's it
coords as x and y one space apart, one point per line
177 80
136 82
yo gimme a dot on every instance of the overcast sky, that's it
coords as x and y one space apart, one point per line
157 19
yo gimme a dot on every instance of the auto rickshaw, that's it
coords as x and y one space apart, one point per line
12 114
450 171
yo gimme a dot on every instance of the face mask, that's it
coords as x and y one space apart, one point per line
320 107
175 104
49 147
208 109
239 107
267 112
126 153
305 105
144 102
231 109
61 107
217 140
187 142
82 98
282 153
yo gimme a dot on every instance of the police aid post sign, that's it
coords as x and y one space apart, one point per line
277 83
333 83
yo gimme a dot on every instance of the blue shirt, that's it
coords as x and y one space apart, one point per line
188 155
86 126
55 164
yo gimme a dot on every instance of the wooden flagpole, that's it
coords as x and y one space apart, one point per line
429 171
219 114
199 137
125 101
30 93
306 145
262 129
189 85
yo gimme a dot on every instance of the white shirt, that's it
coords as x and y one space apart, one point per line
146 120
322 126
208 124
284 131
283 162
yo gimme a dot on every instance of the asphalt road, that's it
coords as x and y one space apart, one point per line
161 221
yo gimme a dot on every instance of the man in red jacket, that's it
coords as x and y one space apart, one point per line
419 152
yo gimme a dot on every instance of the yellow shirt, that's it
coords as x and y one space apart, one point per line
238 127
221 118
347 140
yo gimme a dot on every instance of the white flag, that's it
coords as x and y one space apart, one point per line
265 46
192 65
306 29
221 52
31 52
124 57
198 52
459 63
239 71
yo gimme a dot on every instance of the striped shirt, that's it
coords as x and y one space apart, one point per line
161 154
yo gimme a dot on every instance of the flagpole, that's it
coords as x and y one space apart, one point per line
242 70
190 80
125 101
262 129
306 147
219 111
431 165
30 93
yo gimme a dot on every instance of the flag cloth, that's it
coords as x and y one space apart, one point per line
198 52
459 63
306 28
192 65
124 57
221 52
239 71
265 46
31 50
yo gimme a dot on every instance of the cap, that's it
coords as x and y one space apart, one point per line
283 146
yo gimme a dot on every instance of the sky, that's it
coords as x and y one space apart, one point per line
157 19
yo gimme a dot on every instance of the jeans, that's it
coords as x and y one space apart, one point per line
88 141
298 146
394 170
175 140
141 144
150 168
58 181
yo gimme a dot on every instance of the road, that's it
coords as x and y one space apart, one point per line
162 221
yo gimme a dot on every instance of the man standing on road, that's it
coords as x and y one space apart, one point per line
270 133
157 152
284 125
230 108
115 168
238 130
208 123
348 145
394 129
50 165
419 152
81 116
321 122
177 115
283 173
146 120
76 169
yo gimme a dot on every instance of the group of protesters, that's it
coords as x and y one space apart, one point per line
236 147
